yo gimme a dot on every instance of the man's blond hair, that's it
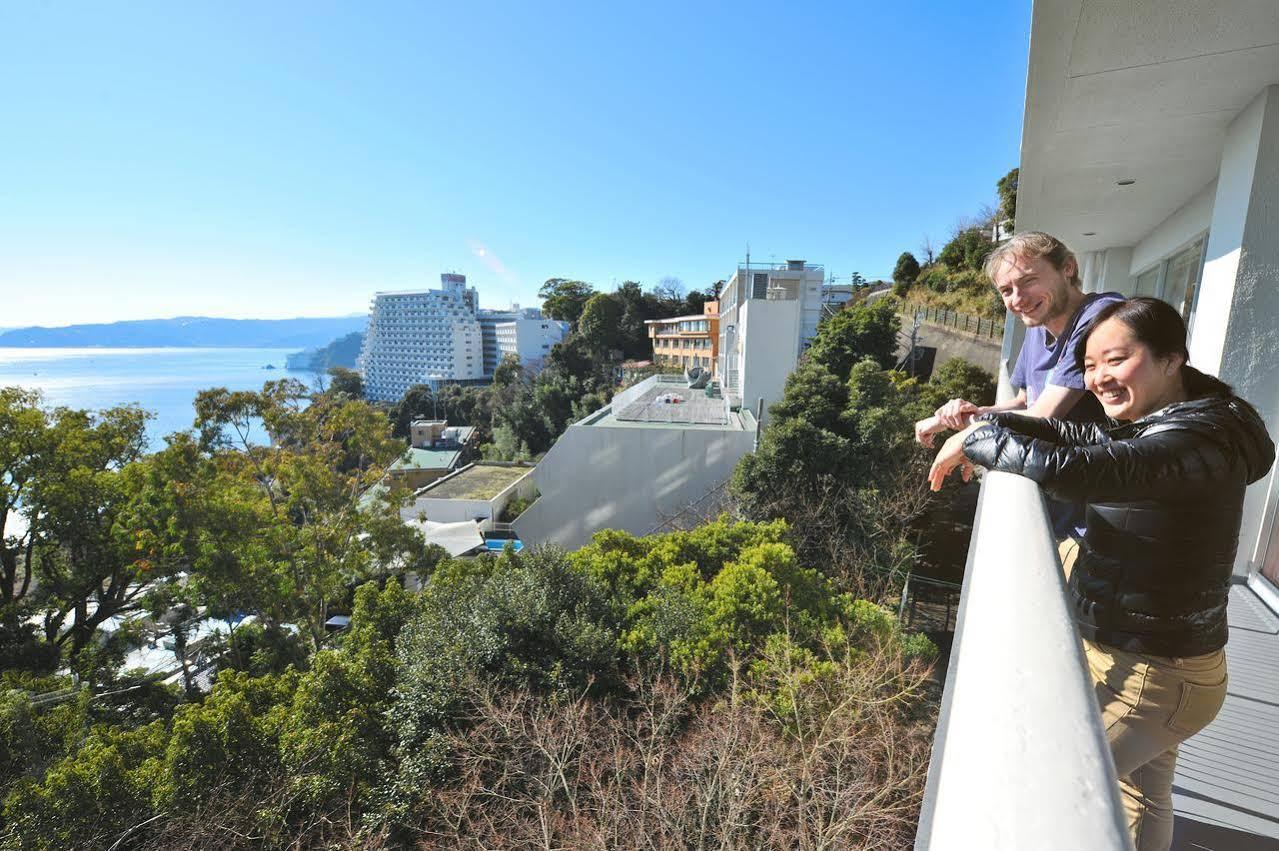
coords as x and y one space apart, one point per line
1032 244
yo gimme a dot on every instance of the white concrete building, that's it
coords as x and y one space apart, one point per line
489 322
478 492
768 314
529 338
655 450
421 337
1150 145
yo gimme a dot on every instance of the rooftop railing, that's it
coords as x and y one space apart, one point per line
1020 759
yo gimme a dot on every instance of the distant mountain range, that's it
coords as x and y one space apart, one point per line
191 331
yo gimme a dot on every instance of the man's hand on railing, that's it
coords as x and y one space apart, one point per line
955 414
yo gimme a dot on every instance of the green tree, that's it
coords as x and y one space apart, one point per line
528 620
600 323
837 459
509 372
418 402
967 250
88 568
637 306
563 298
867 329
906 270
1007 188
298 497
695 302
465 406
347 382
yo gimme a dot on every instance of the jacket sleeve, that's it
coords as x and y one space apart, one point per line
1152 466
1052 430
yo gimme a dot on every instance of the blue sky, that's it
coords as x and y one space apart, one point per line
286 159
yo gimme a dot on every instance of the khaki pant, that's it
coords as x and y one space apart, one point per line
1068 550
1149 705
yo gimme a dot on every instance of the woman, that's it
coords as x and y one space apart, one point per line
1164 484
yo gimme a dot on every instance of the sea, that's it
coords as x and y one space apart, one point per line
162 381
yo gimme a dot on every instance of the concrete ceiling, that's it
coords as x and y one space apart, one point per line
1134 90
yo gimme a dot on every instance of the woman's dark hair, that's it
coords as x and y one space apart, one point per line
1160 327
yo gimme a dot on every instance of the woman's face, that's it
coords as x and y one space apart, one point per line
1123 373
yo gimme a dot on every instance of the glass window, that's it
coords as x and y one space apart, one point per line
1183 278
1146 282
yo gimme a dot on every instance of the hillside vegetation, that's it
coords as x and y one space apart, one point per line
954 278
740 684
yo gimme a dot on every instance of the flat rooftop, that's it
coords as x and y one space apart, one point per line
426 459
478 481
675 403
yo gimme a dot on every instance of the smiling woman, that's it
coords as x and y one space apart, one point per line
1135 362
1164 486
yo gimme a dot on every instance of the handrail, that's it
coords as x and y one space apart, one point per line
1020 759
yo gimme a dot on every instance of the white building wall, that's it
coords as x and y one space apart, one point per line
782 332
530 339
468 352
624 477
1175 232
489 322
483 511
1235 334
771 330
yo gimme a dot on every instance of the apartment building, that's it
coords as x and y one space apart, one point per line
489 320
530 338
778 306
422 337
686 341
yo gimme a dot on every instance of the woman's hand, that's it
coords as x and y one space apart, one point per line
951 456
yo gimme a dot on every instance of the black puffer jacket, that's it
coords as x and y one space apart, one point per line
1164 501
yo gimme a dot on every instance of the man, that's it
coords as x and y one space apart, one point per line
1037 277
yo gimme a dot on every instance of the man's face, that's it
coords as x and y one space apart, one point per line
1033 290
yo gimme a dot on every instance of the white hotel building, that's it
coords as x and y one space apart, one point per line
422 337
529 338
520 331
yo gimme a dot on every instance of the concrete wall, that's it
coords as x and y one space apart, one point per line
1175 232
457 510
1235 335
771 331
631 478
954 344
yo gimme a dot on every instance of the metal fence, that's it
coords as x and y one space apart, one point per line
980 326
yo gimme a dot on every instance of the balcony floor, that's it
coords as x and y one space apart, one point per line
1226 791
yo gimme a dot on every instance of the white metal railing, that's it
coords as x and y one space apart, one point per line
1020 759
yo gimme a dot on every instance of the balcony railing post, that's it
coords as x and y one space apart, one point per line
1020 759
